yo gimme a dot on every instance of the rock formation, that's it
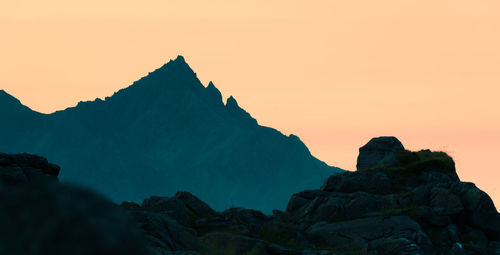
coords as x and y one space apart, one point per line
413 203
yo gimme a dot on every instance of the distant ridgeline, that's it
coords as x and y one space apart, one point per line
166 132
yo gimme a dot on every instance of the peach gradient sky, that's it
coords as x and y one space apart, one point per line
335 73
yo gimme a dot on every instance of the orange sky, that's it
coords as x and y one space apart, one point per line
335 73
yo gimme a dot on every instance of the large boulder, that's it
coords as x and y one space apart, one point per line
24 168
379 152
184 207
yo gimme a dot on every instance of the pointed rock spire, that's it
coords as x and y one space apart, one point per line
214 93
231 104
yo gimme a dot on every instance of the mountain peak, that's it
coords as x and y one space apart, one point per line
177 64
231 103
214 93
180 59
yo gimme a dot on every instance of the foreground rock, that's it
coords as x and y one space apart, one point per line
398 202
38 215
411 203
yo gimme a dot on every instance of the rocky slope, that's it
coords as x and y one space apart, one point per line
163 133
397 202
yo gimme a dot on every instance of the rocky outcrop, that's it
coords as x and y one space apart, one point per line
414 205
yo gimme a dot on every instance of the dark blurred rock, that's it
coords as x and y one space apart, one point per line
51 218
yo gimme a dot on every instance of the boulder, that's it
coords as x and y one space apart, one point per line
184 207
23 168
379 152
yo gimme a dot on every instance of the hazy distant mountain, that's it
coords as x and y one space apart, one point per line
166 132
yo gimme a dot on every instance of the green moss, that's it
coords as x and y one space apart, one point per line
417 161
426 160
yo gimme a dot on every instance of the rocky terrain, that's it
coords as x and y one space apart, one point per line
397 202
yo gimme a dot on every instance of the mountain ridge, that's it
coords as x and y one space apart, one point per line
170 117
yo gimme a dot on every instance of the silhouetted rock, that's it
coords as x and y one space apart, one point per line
38 215
379 152
166 132
414 205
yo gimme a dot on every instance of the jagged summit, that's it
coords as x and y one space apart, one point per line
177 63
180 59
168 132
214 93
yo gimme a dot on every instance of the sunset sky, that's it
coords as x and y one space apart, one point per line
333 72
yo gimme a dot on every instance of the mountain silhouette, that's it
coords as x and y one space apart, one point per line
166 132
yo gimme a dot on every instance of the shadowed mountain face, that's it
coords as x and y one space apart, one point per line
164 133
